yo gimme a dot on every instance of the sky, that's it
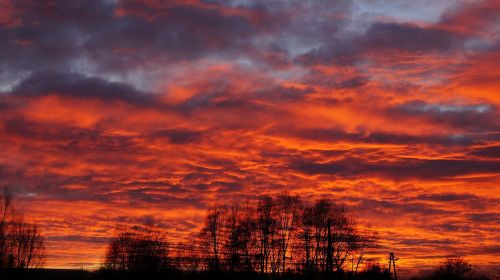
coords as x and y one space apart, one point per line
118 112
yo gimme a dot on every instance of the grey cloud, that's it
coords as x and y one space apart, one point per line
75 85
399 169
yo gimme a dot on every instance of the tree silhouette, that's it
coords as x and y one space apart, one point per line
142 249
212 236
306 242
454 268
8 215
240 227
21 242
362 242
186 255
26 242
328 237
287 212
276 237
266 227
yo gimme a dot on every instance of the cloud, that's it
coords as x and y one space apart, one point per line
474 116
397 169
117 112
381 38
408 37
381 137
78 86
484 217
179 136
447 197
113 39
487 152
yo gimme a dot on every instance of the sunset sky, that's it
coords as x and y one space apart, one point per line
117 112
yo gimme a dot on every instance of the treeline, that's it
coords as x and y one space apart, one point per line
21 243
275 237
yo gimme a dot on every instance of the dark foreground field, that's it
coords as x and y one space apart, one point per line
46 274
68 274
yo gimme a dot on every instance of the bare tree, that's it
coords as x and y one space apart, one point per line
232 247
117 255
305 237
246 230
26 249
280 235
320 213
213 237
362 242
327 237
7 213
240 226
455 267
143 249
266 227
21 242
287 209
186 255
342 235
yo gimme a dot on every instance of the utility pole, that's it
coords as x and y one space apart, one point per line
392 262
